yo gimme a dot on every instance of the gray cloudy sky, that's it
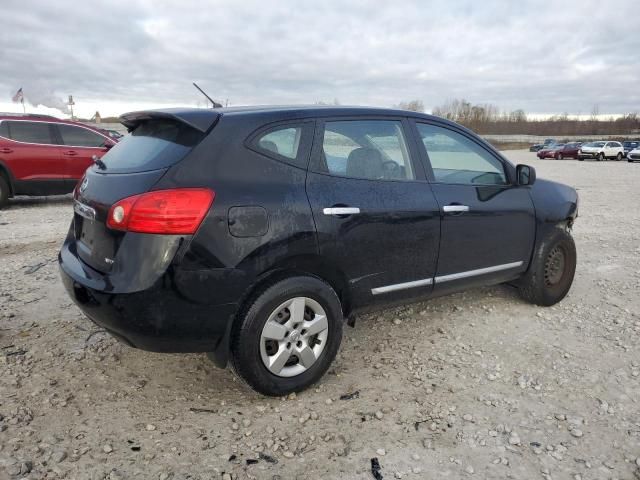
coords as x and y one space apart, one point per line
113 55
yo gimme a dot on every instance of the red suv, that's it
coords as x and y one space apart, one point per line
43 155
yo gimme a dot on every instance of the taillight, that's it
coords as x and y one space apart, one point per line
172 212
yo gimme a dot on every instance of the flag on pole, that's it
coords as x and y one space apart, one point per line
19 96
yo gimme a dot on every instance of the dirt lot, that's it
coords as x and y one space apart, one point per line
475 385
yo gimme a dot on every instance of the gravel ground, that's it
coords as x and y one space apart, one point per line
474 385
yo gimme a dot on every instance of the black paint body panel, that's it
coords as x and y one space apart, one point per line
181 293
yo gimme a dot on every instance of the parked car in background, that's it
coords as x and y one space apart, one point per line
568 150
547 143
629 145
601 150
112 133
634 155
43 155
549 152
253 233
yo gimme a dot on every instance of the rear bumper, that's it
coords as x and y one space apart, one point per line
169 316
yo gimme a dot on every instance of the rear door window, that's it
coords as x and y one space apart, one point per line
30 132
370 149
79 137
154 144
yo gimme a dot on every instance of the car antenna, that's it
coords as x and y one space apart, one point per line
213 102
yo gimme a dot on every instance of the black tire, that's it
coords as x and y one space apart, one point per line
4 192
580 159
601 157
246 360
560 157
618 157
542 284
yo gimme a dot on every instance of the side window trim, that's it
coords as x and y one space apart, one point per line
407 132
304 148
509 169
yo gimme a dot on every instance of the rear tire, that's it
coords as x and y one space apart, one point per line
618 157
4 192
290 307
601 157
552 269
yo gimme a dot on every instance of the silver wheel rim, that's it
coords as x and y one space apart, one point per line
294 337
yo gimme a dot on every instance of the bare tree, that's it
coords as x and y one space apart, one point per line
412 105
487 119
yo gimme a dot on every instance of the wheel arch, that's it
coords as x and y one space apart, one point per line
6 174
309 265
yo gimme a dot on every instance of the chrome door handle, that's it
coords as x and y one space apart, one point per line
341 211
455 208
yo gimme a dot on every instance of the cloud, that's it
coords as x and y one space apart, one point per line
542 56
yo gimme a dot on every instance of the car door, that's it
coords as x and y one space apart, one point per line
80 144
33 158
376 217
488 223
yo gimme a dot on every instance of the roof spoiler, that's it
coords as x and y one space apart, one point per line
197 118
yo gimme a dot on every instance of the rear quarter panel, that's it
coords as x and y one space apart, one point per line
244 180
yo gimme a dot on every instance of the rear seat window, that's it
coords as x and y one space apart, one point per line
288 143
283 141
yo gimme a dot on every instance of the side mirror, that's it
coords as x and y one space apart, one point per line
525 175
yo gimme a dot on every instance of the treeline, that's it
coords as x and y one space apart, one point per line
488 119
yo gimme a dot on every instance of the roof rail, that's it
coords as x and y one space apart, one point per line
28 115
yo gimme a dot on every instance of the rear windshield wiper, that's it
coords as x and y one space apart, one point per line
99 163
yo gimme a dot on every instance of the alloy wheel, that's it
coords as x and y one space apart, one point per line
294 337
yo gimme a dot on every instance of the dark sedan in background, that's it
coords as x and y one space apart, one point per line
549 152
548 143
561 151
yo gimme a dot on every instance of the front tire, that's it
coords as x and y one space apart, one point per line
287 336
601 157
4 192
552 269
560 157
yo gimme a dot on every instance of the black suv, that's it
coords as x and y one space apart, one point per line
253 233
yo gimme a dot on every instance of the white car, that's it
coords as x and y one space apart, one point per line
601 150
634 155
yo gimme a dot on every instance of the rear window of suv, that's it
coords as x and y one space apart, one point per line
154 144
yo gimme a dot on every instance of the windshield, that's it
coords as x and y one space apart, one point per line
154 144
631 144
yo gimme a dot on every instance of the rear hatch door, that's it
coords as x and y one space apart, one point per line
158 140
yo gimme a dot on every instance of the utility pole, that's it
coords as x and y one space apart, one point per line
71 103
